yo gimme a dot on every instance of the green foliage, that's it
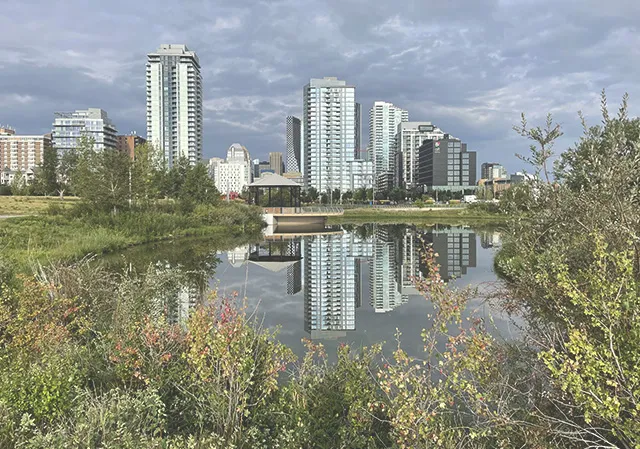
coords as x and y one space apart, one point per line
19 185
198 188
571 260
82 230
45 181
102 179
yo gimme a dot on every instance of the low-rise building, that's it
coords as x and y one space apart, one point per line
494 188
20 154
295 177
128 143
69 127
234 173
493 170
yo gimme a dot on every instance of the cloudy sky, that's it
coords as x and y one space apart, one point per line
469 66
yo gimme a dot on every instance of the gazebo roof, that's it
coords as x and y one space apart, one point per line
274 180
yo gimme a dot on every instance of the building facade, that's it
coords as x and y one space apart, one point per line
330 134
360 175
294 144
384 119
358 141
275 162
492 170
409 138
234 173
174 103
20 154
445 164
128 143
93 123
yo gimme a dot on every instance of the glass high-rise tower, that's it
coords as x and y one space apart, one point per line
384 119
331 133
293 145
174 103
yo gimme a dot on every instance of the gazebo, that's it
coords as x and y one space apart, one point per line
273 187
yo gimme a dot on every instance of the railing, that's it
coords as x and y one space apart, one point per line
317 210
322 210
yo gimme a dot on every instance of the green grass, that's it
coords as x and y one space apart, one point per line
442 215
29 205
25 241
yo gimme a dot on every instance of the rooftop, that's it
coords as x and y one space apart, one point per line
274 181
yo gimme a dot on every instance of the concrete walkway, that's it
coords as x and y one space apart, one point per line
2 217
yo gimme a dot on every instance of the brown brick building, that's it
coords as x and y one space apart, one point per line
20 153
128 143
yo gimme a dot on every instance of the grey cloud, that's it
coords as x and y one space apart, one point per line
468 66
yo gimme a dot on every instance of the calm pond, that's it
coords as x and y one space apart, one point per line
350 284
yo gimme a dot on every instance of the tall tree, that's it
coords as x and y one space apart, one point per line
19 184
45 179
102 178
198 187
144 174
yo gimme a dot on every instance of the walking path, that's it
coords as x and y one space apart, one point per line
2 217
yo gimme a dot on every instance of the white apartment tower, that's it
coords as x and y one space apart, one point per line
384 119
174 103
409 138
331 133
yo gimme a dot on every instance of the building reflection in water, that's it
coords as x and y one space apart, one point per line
332 282
330 269
490 239
177 300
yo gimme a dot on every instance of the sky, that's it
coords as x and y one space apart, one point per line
468 66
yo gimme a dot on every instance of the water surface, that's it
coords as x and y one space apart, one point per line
350 284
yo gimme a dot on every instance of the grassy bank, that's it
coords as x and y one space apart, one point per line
63 237
461 215
30 205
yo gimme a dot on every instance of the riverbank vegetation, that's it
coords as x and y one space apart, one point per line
93 359
121 202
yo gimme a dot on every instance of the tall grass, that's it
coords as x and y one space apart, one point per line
73 234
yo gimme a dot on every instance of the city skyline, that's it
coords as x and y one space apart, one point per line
503 57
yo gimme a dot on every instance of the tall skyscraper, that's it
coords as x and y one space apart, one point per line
293 145
358 147
69 127
275 161
331 131
174 103
384 119
409 138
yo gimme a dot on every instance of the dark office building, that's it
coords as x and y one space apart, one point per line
446 164
262 167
